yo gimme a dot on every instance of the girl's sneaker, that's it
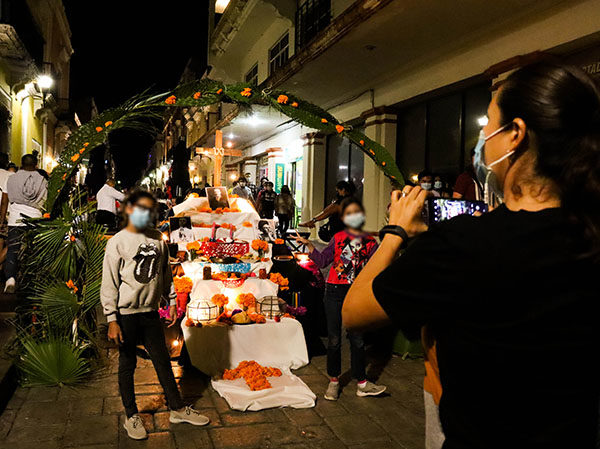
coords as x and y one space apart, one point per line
333 391
188 415
135 428
369 389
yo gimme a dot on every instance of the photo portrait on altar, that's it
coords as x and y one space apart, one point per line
266 230
217 197
181 230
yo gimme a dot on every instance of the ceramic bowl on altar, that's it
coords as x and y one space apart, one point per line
270 306
283 258
202 311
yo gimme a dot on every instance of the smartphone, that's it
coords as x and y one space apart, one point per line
440 209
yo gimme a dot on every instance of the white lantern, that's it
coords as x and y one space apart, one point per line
202 311
271 306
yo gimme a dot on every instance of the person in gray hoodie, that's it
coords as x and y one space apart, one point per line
27 191
136 274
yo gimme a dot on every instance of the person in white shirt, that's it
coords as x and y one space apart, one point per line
107 198
4 175
27 191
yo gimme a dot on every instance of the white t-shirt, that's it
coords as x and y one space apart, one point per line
4 175
17 210
106 198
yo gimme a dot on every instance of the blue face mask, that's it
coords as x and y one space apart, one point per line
355 221
140 217
485 174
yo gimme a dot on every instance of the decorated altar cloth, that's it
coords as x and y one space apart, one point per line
214 348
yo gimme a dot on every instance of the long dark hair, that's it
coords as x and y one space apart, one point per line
561 107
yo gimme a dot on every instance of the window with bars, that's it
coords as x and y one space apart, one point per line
252 75
279 53
312 17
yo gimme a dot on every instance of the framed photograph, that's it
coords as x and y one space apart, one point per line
266 230
181 230
217 197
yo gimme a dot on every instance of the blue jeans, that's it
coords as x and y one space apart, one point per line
334 298
15 235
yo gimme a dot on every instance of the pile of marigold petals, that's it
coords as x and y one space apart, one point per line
254 374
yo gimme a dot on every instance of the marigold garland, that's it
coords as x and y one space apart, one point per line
278 279
253 373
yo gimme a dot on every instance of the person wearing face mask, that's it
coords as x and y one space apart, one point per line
426 181
349 250
531 291
135 275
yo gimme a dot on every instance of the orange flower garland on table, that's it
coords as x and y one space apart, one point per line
278 279
183 284
254 374
193 246
220 300
246 300
260 245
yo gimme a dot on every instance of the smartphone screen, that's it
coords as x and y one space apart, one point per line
440 209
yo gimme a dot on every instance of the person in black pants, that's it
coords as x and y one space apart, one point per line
135 274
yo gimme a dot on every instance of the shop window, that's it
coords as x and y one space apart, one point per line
279 53
345 162
252 75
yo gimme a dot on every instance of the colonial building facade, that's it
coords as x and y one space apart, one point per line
35 53
415 76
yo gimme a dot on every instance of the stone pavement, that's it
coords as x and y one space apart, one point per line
92 417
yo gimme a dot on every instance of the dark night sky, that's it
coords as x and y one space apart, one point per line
125 46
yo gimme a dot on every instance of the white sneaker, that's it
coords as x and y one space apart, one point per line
188 415
135 428
333 391
369 389
10 286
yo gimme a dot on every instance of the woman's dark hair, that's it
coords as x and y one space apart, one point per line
560 106
346 202
138 194
286 189
347 186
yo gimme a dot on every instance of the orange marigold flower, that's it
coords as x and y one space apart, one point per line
282 99
171 100
75 157
220 91
81 150
183 284
372 152
220 300
247 224
324 120
108 123
278 279
339 128
197 95
383 164
279 241
72 286
86 144
362 142
99 128
192 246
46 215
205 209
64 176
72 238
246 299
260 245
295 104
246 92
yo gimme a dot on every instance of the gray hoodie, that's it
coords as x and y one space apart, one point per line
136 274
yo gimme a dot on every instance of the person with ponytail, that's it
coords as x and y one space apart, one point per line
516 337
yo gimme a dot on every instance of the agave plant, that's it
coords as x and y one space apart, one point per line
52 361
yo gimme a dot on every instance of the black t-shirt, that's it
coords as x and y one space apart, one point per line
515 315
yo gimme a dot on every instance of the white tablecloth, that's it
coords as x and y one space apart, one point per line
212 349
207 289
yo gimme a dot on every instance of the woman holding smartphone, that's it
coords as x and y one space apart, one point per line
505 295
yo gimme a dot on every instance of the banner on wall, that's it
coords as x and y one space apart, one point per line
279 177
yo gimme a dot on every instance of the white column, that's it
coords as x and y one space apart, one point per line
380 125
250 167
313 176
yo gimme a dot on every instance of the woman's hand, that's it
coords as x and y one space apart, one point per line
407 208
304 241
114 333
309 224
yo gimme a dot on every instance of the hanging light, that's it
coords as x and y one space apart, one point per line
44 81
482 121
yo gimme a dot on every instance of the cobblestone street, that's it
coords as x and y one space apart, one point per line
92 417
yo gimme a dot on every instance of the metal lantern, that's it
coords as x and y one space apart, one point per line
202 311
271 306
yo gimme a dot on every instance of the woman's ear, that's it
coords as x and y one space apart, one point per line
517 134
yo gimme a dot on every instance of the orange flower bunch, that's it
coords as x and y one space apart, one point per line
278 279
246 92
362 142
171 100
205 209
86 144
220 300
71 285
220 91
254 374
46 215
228 226
324 120
279 241
246 299
108 123
339 128
72 238
294 104
99 128
64 176
197 95
193 246
260 245
218 210
282 99
247 224
183 284
75 157
257 318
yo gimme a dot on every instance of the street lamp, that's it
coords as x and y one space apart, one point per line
45 81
